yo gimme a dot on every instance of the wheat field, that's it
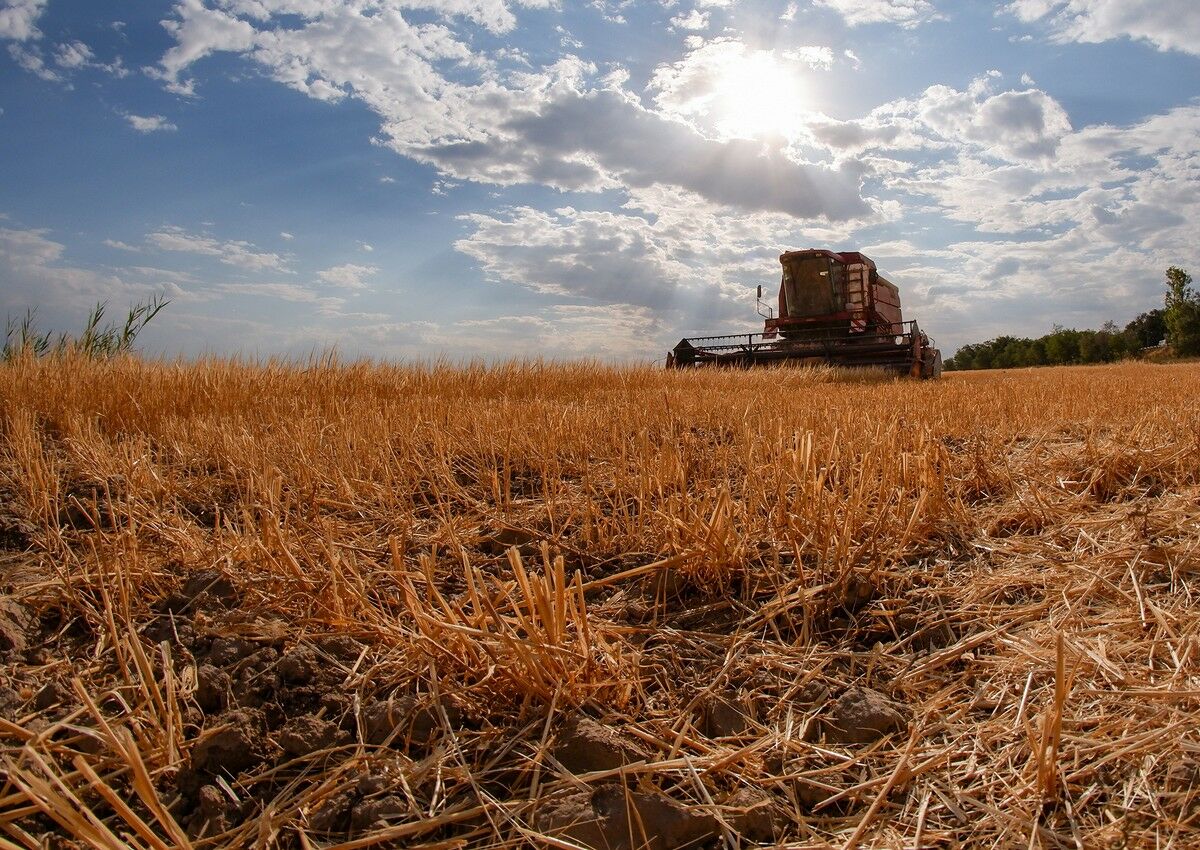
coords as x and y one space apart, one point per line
328 605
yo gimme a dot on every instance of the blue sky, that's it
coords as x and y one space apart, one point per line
484 178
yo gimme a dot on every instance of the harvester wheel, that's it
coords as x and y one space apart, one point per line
931 365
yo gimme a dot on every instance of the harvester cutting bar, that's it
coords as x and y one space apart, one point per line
895 347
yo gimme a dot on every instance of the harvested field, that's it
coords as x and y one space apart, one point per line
563 605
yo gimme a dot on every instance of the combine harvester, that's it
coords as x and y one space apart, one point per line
834 309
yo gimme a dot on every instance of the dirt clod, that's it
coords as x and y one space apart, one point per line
862 715
232 747
212 687
748 811
309 734
332 813
373 813
54 693
300 666
15 622
207 590
585 745
724 717
407 718
613 817
230 650
214 812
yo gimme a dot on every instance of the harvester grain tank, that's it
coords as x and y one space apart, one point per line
833 308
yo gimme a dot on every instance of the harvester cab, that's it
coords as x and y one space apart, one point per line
833 308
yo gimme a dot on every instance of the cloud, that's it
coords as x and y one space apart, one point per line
348 276
557 331
282 291
198 32
283 234
603 139
31 60
694 20
35 274
724 87
1166 24
121 246
18 19
75 54
243 255
1014 126
904 13
149 123
552 127
667 251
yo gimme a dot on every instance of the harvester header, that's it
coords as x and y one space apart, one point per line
833 308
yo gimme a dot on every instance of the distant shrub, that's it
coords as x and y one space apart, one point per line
24 338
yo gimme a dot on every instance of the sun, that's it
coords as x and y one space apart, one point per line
756 95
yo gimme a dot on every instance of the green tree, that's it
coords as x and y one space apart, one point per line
1182 314
1147 330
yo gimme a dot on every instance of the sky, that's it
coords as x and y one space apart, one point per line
457 179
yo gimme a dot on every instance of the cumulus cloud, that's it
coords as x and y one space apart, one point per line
668 252
240 254
556 126
348 276
149 123
1166 24
904 13
1014 126
18 19
693 20
603 139
198 32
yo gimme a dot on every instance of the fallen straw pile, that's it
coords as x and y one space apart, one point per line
344 606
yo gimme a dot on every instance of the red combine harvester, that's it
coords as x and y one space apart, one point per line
834 308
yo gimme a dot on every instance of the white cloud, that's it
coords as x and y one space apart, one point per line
30 59
35 273
694 20
1016 126
121 246
552 127
667 251
1013 124
730 89
149 123
811 55
282 291
283 234
18 19
348 276
904 13
1167 24
198 32
75 54
243 255
365 246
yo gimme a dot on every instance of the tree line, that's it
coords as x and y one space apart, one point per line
1177 323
